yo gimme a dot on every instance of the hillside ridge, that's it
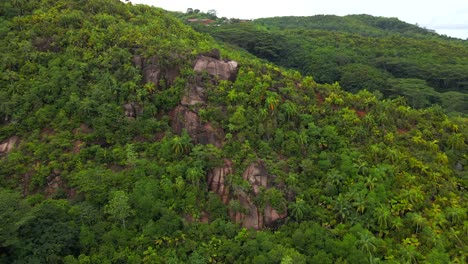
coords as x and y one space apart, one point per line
128 137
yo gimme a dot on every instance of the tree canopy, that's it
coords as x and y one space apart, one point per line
116 148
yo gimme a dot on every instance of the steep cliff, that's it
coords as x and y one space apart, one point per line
186 117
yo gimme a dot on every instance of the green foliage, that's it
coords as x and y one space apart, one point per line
118 207
358 179
361 52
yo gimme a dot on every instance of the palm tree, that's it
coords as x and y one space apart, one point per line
375 150
456 141
335 178
297 208
272 100
366 243
181 144
303 139
290 109
233 96
396 223
194 175
342 208
456 215
370 182
362 166
360 202
409 252
418 220
393 154
383 215
414 195
335 99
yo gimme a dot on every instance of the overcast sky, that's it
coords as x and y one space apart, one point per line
448 17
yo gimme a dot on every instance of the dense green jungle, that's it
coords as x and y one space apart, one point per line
128 136
386 56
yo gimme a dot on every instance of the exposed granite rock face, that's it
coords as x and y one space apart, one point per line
211 135
78 144
214 53
184 118
271 215
217 180
252 218
154 72
55 184
8 145
194 95
132 110
258 177
185 115
223 70
25 181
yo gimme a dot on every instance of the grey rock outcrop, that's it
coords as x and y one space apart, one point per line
223 70
255 217
186 117
214 53
194 95
217 180
131 110
8 145
183 118
154 71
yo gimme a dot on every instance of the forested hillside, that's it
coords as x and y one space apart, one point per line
128 137
358 24
361 52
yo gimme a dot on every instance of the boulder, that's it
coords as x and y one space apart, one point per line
138 61
271 215
8 145
132 110
214 53
211 135
223 70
